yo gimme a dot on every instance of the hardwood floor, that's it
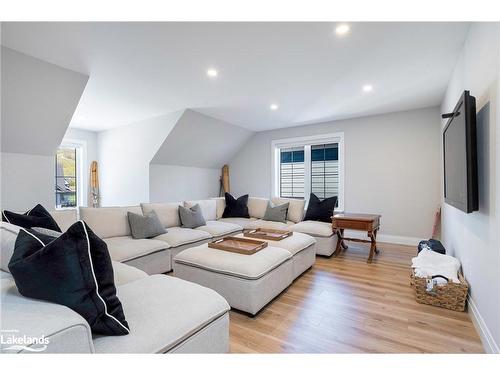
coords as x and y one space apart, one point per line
344 305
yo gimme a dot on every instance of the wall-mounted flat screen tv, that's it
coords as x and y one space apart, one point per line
460 156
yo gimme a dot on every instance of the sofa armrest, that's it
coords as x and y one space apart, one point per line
56 328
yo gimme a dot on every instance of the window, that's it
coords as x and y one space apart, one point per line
66 177
325 170
309 165
292 172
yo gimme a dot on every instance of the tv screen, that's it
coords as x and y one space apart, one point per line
460 156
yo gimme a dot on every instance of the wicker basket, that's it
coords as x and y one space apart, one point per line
451 296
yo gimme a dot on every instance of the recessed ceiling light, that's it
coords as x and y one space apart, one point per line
367 88
212 73
342 29
273 107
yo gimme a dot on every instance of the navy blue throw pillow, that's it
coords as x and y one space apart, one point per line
236 207
73 270
38 216
320 210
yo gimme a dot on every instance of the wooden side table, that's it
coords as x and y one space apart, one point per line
369 223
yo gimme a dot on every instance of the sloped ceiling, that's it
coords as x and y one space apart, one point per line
142 69
201 141
38 101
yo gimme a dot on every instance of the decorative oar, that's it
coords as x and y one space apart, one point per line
94 184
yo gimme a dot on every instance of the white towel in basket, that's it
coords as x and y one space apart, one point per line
429 263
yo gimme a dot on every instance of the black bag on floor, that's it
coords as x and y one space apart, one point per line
434 245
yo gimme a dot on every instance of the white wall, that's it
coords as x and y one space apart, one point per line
188 163
26 181
392 167
125 154
169 183
474 238
37 100
198 140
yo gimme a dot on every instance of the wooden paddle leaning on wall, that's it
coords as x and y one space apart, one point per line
224 180
94 184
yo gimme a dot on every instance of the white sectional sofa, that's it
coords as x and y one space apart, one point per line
326 240
156 255
168 314
165 314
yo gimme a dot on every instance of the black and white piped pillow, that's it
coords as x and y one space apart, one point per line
320 210
74 270
38 216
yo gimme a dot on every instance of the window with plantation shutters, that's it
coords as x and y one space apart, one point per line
325 170
292 172
307 165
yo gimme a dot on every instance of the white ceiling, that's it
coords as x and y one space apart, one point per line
141 70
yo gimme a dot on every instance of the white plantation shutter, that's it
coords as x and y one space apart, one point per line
292 175
325 170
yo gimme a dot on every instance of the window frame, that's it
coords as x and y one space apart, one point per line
81 155
307 142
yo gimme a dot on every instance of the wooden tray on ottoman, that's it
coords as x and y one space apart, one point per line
268 234
238 245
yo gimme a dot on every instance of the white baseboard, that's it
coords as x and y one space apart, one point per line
400 240
489 344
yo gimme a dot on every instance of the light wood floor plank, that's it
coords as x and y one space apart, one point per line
344 305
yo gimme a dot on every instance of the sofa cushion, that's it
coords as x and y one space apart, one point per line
241 221
8 235
177 236
320 210
168 213
38 216
220 203
108 221
73 270
65 218
313 228
162 312
145 226
126 248
257 207
208 207
294 244
191 217
217 228
125 274
260 223
295 209
236 207
244 266
68 332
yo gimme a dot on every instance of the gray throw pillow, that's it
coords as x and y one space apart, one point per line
145 226
276 213
47 232
191 217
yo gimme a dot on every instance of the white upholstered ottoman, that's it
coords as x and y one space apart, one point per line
302 248
247 282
